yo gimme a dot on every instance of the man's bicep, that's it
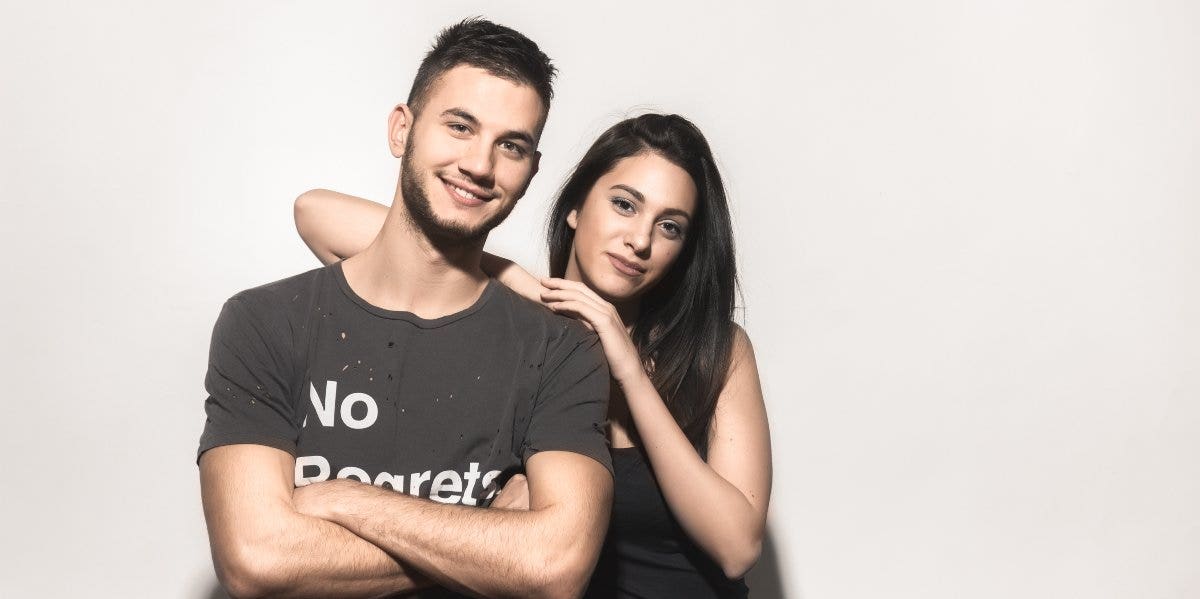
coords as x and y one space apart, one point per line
246 491
579 487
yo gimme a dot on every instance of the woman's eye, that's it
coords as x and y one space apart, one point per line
672 230
622 205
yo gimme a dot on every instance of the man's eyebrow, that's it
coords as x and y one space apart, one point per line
641 198
462 114
524 136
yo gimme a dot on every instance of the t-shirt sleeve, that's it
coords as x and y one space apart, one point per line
572 403
250 367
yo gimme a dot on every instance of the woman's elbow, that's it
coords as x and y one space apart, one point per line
737 563
307 212
303 207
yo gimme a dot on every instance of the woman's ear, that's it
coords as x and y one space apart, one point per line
573 218
399 123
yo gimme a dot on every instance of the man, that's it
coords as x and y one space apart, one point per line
407 368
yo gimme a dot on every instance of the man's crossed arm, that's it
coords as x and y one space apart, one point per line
348 539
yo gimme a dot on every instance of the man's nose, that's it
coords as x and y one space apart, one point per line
478 163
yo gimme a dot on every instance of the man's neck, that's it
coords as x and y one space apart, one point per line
405 270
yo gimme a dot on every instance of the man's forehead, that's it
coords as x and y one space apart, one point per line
495 101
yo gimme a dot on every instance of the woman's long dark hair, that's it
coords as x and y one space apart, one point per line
684 331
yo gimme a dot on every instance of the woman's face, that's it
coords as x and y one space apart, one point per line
631 227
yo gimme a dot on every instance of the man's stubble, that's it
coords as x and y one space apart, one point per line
420 211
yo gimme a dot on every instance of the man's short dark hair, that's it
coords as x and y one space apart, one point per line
482 44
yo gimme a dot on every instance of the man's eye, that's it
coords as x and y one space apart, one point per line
458 128
513 148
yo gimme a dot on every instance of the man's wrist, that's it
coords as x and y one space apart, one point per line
349 499
335 500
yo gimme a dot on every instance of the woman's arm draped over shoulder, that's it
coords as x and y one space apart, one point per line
513 276
336 226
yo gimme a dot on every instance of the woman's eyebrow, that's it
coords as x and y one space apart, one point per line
677 212
642 199
633 192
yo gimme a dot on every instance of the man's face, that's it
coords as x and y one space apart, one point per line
470 153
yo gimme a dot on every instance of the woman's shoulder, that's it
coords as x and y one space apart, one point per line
741 376
740 348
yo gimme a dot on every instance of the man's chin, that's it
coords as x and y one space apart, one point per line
454 232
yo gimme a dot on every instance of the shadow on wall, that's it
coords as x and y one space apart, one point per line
765 579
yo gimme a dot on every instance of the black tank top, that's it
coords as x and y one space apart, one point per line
646 554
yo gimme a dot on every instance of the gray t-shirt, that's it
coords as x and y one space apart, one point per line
446 408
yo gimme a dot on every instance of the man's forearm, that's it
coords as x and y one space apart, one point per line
263 546
466 549
310 557
493 553
280 552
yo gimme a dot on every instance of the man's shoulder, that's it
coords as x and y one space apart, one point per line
283 292
279 303
533 318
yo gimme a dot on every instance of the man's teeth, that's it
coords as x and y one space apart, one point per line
464 193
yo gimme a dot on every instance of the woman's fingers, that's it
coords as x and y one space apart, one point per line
566 294
578 308
563 295
601 318
556 283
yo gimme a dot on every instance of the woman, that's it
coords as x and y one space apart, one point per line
641 249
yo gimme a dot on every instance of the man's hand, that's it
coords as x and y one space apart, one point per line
514 495
320 500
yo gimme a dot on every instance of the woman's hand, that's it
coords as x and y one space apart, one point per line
578 300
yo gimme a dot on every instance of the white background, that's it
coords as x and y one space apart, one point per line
967 236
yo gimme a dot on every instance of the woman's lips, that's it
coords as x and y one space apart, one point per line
626 268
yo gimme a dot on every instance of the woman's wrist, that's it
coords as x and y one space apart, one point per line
634 384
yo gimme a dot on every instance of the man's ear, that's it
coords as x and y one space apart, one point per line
399 124
573 218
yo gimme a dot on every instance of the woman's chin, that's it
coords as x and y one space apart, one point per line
614 288
617 291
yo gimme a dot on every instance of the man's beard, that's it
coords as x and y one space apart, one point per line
420 212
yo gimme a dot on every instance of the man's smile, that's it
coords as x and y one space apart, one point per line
466 193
